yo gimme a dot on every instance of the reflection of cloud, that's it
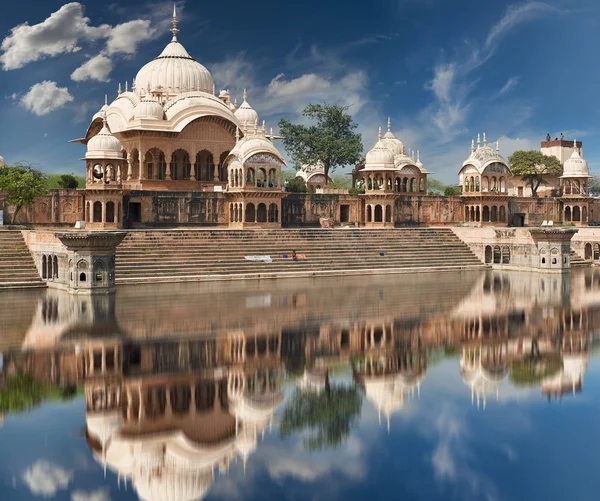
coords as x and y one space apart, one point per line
45 479
97 495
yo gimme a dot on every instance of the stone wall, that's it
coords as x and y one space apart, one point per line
58 208
542 249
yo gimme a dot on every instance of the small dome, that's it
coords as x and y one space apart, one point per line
149 108
380 156
576 166
104 146
391 142
245 113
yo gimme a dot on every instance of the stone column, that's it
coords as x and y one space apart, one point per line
168 408
129 166
168 167
141 164
193 165
192 398
103 360
104 212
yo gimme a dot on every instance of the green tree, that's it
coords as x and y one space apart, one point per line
341 182
21 393
327 415
594 186
435 186
22 184
68 181
532 166
297 185
451 191
332 142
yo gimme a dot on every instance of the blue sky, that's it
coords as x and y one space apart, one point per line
443 70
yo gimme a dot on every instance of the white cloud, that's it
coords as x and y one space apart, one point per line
97 495
58 34
515 15
125 38
511 83
45 479
453 82
306 84
234 73
45 97
97 68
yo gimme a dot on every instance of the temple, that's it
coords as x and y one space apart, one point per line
170 150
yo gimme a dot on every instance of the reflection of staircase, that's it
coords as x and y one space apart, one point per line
577 261
17 269
179 255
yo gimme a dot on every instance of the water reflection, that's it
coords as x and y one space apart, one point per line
181 383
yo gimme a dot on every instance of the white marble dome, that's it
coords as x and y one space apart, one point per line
576 166
104 146
175 72
246 114
379 157
149 108
391 142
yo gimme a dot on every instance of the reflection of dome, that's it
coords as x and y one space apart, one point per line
380 156
246 114
149 108
104 146
102 425
576 166
482 381
174 71
175 486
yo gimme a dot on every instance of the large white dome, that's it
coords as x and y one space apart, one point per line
174 71
576 166
380 157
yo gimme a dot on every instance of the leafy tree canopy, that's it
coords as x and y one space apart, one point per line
21 184
533 166
327 416
21 393
332 142
594 185
297 185
66 181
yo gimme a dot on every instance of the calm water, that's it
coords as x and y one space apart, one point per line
446 386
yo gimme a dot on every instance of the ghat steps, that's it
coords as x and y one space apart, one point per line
17 269
196 255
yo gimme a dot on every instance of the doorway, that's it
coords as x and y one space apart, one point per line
135 212
344 213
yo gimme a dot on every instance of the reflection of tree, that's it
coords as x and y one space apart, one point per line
20 393
327 415
532 370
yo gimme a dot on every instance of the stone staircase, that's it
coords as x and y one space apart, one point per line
17 269
577 261
198 255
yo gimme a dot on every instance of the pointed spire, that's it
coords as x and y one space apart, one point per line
497 145
472 145
214 90
389 125
174 29
484 140
379 135
245 95
133 85
478 141
126 86
105 99
119 90
418 159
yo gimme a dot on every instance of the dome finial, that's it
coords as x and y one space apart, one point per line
174 29
105 100
575 143
478 140
126 86
119 89
379 135
245 94
484 140
497 145
389 125
472 145
418 156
